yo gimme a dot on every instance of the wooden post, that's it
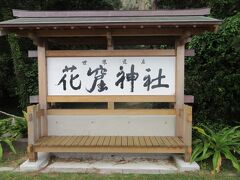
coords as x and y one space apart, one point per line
42 84
110 47
187 135
38 127
32 156
32 133
180 54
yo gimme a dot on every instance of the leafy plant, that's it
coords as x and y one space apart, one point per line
8 134
11 129
216 145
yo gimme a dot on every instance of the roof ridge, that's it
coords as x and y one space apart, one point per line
112 13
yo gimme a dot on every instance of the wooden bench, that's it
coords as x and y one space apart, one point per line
108 144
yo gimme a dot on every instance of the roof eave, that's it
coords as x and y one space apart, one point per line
103 25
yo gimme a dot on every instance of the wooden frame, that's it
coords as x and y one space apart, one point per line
187 131
153 31
182 113
34 129
112 149
113 98
180 56
42 84
188 53
34 126
111 112
188 99
111 53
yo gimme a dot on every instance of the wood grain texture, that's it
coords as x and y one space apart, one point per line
137 98
121 149
109 53
120 144
187 125
187 99
188 52
111 112
164 31
42 84
34 123
180 47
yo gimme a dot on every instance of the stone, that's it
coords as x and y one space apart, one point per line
6 169
116 165
185 166
35 166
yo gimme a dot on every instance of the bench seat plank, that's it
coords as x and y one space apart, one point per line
110 144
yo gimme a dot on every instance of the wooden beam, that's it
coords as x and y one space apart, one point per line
32 156
188 53
180 53
110 53
144 40
34 130
34 99
164 31
31 124
187 132
34 123
123 112
188 99
112 98
110 46
109 41
124 40
36 40
42 84
187 125
107 149
32 53
79 40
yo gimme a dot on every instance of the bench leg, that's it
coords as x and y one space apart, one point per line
32 156
188 153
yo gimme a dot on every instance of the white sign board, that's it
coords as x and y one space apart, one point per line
111 75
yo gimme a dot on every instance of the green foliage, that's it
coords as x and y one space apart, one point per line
11 129
213 75
25 70
224 8
7 88
62 4
8 133
180 4
215 145
219 8
20 72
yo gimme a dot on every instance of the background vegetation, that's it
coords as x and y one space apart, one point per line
213 75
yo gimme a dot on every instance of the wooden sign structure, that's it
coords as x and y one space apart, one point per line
117 73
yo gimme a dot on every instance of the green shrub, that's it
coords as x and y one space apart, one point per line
11 129
8 133
216 145
213 75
